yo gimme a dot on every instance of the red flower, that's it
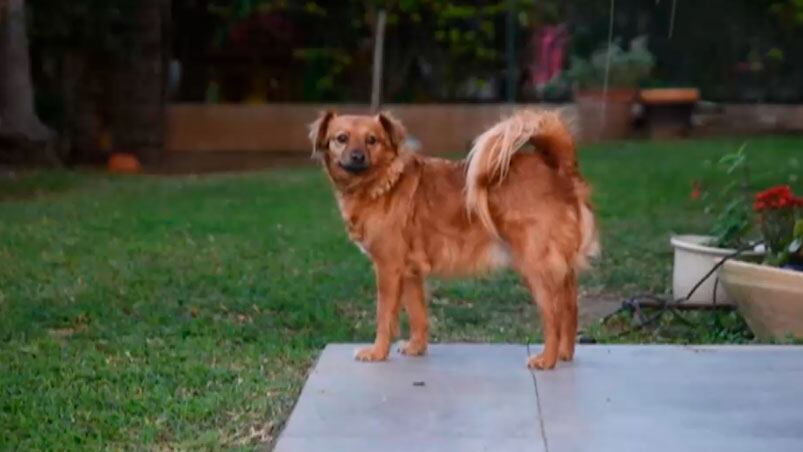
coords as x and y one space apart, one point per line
758 206
695 190
779 191
777 197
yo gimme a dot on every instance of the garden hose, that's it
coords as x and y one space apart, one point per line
635 304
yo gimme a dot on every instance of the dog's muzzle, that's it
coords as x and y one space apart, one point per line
356 163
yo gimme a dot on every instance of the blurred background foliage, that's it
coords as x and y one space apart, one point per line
455 51
92 58
283 50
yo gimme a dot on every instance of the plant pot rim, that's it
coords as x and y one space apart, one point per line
775 273
611 89
696 243
670 96
761 278
623 94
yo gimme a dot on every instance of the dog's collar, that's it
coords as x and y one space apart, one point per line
388 180
377 187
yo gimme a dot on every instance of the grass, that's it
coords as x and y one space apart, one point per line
184 312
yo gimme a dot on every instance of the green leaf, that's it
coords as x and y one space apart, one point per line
797 231
795 246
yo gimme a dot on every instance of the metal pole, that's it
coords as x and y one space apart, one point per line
672 18
510 50
379 45
603 111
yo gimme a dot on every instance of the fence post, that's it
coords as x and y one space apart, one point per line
379 44
510 50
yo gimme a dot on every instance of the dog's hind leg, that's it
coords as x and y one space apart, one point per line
545 294
415 305
544 270
568 323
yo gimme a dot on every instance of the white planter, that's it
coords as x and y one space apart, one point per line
769 298
693 259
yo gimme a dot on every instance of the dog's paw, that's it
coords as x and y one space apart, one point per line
412 348
566 352
371 353
540 362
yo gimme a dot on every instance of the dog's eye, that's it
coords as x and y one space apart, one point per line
371 139
342 138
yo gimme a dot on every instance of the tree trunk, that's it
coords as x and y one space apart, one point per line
20 127
140 85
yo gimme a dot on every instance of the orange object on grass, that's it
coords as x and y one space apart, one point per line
123 163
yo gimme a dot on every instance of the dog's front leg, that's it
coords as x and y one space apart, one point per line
388 285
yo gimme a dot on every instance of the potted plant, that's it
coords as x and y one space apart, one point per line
607 114
770 295
695 255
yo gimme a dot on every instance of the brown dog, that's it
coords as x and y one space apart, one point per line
415 216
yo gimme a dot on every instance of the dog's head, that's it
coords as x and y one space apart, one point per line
354 147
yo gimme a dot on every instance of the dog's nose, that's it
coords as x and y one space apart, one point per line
357 157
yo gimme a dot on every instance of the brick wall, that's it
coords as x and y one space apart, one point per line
441 128
283 127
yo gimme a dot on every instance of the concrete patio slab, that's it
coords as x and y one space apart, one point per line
674 398
459 397
476 397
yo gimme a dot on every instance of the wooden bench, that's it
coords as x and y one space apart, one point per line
667 111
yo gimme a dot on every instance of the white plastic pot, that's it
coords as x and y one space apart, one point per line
693 259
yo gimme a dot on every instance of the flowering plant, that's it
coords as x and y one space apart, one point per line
732 224
779 219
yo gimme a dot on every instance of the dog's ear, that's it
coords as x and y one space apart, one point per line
393 128
317 131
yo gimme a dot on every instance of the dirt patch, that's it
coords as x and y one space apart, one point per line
595 307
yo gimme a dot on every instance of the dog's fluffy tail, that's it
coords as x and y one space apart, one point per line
489 159
589 244
489 162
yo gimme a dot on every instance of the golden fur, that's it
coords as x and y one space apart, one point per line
416 216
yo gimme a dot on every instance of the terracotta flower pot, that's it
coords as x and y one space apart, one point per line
605 116
769 298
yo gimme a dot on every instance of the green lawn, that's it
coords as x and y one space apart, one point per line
184 312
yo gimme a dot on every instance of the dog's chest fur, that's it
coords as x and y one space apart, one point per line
423 233
369 221
354 222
